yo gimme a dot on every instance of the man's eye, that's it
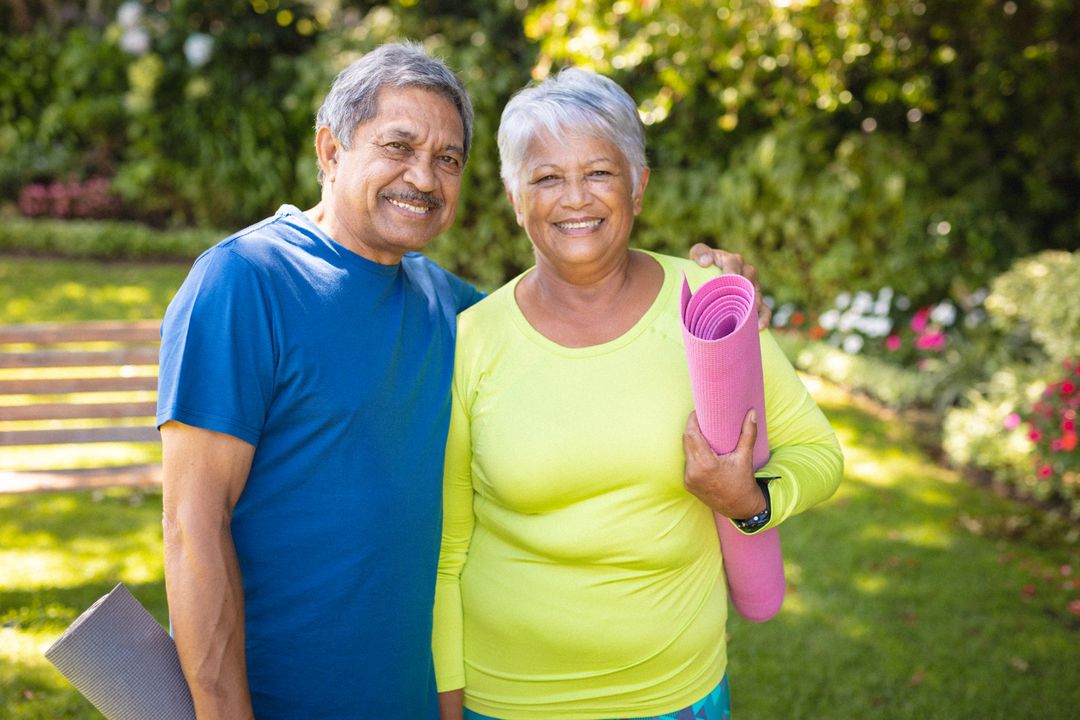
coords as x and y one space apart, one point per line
397 146
450 161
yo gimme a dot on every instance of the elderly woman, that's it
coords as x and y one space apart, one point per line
581 575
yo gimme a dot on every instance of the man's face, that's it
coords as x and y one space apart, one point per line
398 187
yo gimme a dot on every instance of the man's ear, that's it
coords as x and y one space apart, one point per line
327 149
519 214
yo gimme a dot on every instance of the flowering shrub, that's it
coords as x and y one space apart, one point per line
888 327
1052 430
92 199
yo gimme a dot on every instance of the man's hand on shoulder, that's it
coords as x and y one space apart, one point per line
733 264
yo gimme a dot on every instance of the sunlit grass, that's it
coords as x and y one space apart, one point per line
58 554
35 290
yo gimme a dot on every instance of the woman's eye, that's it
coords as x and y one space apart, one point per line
545 180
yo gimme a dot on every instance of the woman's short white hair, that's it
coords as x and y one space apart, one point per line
573 102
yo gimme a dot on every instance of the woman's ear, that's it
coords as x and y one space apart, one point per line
519 213
327 149
639 191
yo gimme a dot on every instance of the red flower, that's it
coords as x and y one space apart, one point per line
1068 442
1067 387
919 322
1035 436
797 319
1045 471
930 341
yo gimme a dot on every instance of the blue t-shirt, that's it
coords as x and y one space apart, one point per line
337 370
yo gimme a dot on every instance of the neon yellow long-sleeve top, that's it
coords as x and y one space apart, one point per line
578 578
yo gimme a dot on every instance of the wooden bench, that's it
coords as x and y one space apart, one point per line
69 383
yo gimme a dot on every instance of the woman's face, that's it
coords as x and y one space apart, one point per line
576 199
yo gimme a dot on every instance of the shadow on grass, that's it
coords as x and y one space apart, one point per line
30 687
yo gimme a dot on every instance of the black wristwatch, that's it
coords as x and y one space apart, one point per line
756 522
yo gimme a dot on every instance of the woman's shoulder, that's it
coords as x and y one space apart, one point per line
491 311
695 274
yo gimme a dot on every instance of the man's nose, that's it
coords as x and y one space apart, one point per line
421 173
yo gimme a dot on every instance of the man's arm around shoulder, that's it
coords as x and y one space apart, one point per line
204 474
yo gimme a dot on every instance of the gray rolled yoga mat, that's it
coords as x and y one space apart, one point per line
119 657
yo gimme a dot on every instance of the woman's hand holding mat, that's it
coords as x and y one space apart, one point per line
723 352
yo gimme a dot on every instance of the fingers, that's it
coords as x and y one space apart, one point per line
726 262
763 312
695 446
749 433
702 254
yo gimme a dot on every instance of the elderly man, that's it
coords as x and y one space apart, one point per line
303 406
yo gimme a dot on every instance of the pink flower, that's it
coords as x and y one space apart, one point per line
1045 471
1067 387
893 343
1035 436
918 323
1012 421
931 341
1068 425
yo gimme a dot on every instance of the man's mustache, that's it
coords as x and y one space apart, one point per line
415 197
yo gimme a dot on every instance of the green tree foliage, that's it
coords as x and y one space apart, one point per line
865 142
974 99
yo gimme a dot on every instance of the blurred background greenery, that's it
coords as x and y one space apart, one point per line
905 174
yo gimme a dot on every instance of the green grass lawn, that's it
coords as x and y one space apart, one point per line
912 593
38 290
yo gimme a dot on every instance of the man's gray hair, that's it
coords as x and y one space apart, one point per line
353 98
574 102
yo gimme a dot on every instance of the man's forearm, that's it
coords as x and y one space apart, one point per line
206 606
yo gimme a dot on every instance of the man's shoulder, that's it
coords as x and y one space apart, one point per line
435 279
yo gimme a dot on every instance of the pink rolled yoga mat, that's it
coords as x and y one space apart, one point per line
724 355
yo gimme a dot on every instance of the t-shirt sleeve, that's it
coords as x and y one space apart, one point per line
805 452
465 294
217 353
458 520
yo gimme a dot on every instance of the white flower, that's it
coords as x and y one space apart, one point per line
848 320
135 41
129 14
829 319
902 303
853 344
885 295
881 308
874 326
198 48
863 302
944 313
843 300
